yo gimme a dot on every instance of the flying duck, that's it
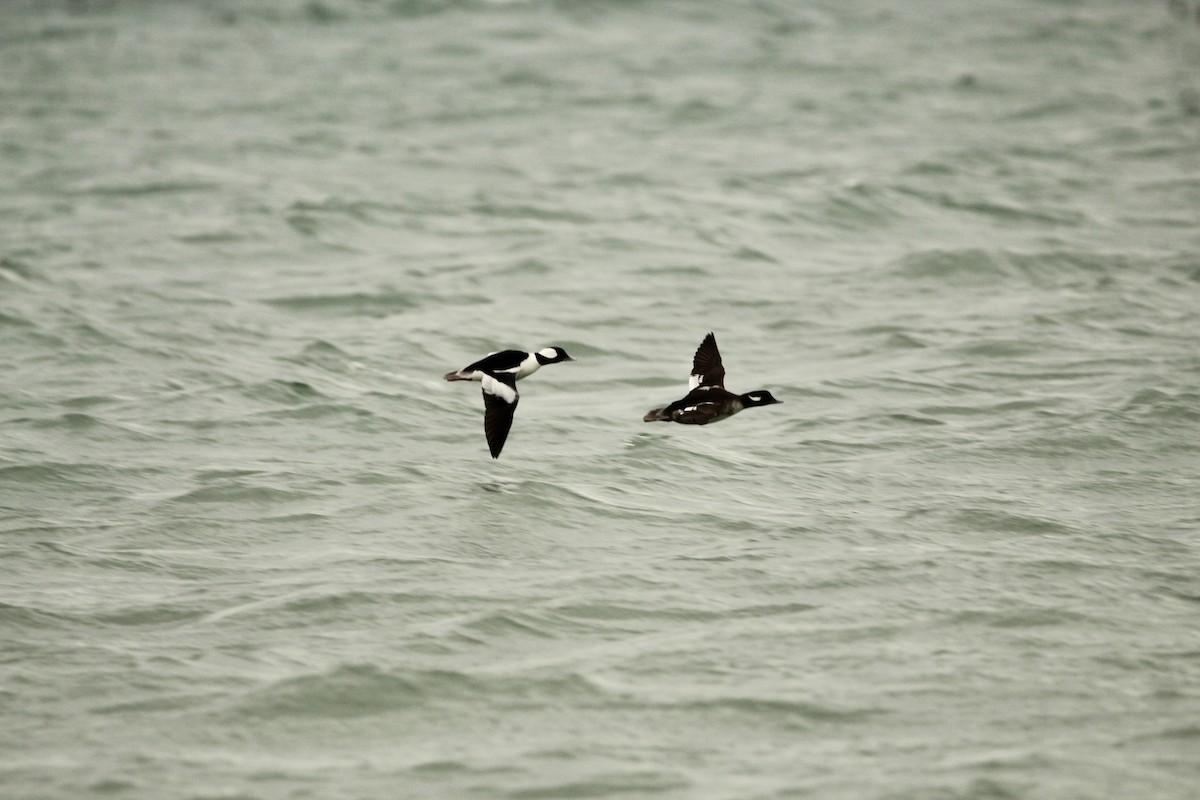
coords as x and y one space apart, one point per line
707 399
499 373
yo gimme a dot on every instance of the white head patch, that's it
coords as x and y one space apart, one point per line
548 352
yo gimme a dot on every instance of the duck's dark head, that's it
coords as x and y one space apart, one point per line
760 398
552 355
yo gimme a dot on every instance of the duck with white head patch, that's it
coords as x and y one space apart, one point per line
499 373
708 400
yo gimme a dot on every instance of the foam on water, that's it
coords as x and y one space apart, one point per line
254 546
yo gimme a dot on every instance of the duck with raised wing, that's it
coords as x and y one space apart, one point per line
707 399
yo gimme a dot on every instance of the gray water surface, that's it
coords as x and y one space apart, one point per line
253 546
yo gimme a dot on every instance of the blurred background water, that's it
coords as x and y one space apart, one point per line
254 547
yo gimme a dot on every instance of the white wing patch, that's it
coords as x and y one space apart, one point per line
499 389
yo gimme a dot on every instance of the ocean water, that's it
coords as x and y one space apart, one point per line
252 546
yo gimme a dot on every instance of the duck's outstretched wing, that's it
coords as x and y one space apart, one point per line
707 369
499 403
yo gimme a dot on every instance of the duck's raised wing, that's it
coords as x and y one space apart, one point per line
707 369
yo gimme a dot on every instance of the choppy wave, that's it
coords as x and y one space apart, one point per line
255 546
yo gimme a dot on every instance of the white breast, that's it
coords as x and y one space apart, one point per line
527 367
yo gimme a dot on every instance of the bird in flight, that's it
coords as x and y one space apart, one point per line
499 373
707 399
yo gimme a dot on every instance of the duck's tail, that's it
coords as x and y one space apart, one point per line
455 375
656 415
